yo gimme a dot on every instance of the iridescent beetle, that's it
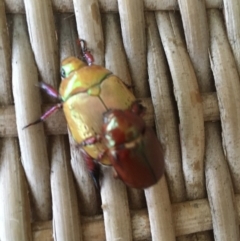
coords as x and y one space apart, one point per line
90 94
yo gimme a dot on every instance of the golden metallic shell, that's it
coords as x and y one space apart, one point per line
92 91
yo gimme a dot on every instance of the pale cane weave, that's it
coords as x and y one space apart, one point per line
182 59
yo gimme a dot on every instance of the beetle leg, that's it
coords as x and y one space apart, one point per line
88 57
115 174
93 167
50 90
129 86
91 140
45 115
137 108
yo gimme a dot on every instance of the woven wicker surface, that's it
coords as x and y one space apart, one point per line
183 59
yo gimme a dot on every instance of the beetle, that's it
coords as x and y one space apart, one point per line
86 92
132 148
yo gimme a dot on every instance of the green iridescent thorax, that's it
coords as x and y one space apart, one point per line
86 79
72 84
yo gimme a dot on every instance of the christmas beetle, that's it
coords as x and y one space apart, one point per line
87 92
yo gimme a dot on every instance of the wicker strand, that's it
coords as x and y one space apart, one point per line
32 140
188 56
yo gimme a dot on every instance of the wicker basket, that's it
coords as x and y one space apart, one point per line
183 59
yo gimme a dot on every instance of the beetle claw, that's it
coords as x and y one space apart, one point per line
45 115
96 174
33 123
93 168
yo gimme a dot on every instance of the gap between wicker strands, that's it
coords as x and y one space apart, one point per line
17 6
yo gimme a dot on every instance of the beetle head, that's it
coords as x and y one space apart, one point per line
69 65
